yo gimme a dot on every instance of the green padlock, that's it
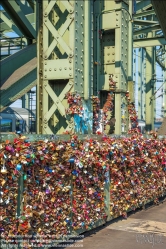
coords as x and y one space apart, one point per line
25 177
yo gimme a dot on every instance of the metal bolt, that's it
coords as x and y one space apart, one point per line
50 69
65 68
70 74
60 68
70 68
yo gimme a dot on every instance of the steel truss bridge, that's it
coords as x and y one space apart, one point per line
78 46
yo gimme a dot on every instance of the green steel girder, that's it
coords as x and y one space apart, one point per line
19 18
4 27
149 42
144 22
144 13
143 5
12 63
112 55
147 29
16 90
160 9
10 24
161 64
149 108
31 3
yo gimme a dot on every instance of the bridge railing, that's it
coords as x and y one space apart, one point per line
54 187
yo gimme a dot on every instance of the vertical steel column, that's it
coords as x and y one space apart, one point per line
130 44
39 88
64 43
149 89
139 83
154 84
87 48
143 82
111 54
134 66
25 101
97 10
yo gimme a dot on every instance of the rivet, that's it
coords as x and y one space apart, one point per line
54 69
70 74
60 68
65 68
50 69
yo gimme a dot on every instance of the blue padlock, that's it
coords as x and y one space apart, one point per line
71 160
18 167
